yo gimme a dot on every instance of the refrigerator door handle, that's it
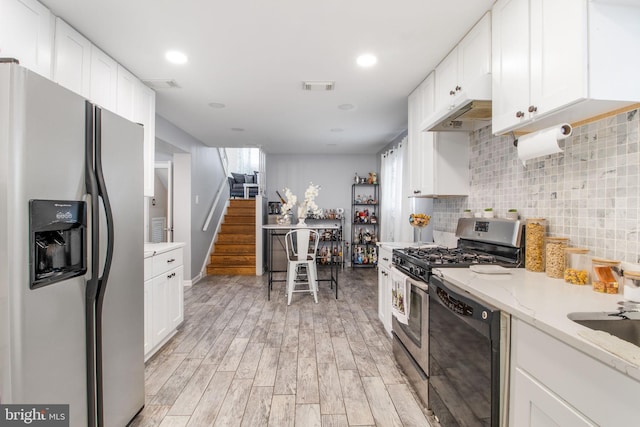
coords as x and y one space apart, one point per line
103 280
102 192
92 283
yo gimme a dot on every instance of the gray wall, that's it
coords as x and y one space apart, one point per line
590 193
334 173
207 175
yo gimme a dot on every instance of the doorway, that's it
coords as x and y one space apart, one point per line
161 205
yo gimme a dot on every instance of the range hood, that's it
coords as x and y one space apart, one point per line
467 117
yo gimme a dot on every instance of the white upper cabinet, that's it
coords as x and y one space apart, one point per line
26 33
72 59
137 102
438 161
145 113
51 47
466 72
104 79
126 89
561 61
416 108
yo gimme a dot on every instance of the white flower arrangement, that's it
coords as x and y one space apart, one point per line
307 206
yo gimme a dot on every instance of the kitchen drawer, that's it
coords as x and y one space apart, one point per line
167 261
148 268
384 258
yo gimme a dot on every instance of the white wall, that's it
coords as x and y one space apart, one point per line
206 177
334 174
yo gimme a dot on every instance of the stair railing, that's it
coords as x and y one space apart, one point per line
223 186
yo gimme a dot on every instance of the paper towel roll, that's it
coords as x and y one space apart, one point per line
543 142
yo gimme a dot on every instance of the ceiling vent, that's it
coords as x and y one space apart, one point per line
317 86
161 84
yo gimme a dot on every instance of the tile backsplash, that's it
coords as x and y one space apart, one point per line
589 193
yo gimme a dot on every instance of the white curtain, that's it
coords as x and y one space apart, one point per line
391 182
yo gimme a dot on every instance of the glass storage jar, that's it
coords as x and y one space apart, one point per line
576 270
631 288
554 256
605 275
534 244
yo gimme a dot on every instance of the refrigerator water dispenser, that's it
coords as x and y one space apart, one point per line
58 241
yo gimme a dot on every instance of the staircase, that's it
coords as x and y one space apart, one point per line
234 251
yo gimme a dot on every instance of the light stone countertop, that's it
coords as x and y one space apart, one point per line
544 303
151 249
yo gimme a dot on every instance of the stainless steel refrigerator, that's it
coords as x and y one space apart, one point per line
71 253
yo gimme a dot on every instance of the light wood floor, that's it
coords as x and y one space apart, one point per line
240 360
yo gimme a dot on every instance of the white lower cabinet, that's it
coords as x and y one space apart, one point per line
175 305
537 406
163 300
384 287
148 286
554 384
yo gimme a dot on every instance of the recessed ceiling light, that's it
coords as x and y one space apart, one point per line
366 60
237 129
346 107
337 130
216 105
176 57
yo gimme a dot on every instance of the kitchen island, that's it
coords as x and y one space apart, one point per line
557 370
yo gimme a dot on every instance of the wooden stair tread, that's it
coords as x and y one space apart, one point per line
233 259
239 271
236 238
235 248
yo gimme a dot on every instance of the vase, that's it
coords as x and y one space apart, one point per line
302 214
285 219
301 222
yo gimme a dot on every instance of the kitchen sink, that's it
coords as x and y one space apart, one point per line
622 324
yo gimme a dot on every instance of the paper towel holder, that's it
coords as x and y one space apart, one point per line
564 130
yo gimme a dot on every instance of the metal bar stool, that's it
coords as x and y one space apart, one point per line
302 246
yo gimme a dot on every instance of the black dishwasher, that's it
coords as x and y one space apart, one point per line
468 358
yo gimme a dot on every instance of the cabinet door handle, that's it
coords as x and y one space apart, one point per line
451 92
171 275
458 88
416 191
533 108
520 114
169 261
385 259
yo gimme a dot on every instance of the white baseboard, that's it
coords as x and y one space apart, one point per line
194 280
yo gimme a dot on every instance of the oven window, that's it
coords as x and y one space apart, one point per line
414 328
460 387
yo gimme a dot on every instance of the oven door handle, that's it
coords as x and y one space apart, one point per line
420 285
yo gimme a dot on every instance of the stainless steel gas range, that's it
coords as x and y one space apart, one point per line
448 333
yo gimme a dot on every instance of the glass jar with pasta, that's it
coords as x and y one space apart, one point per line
535 230
554 256
576 269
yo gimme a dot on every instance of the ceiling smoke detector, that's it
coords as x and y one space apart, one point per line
162 84
318 85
